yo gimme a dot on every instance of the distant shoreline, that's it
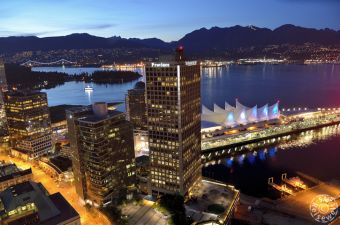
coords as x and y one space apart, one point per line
21 77
233 63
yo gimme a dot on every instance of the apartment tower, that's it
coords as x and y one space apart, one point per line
103 161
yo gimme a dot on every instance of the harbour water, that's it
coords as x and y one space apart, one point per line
310 86
294 85
315 153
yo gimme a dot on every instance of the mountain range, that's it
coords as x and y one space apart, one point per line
200 41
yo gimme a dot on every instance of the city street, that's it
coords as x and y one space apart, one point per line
88 216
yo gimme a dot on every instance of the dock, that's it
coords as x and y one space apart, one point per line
282 188
294 182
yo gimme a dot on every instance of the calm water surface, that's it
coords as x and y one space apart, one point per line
72 93
312 86
315 153
294 85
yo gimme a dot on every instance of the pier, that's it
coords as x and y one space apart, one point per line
231 138
281 188
294 182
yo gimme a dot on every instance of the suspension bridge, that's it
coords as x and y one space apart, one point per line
31 63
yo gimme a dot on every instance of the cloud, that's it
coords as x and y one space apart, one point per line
68 29
93 26
6 33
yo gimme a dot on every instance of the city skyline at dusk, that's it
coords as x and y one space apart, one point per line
144 112
138 18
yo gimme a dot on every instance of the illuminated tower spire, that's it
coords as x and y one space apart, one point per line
180 54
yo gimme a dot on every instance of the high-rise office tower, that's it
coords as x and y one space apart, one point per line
29 123
136 107
174 110
3 79
3 87
101 143
136 114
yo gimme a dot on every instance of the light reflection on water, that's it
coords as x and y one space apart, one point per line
72 93
264 151
315 153
76 70
295 85
308 138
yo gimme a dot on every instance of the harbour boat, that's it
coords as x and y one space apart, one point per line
88 88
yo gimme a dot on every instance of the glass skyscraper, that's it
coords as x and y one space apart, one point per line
135 106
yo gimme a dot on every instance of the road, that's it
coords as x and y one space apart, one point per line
88 216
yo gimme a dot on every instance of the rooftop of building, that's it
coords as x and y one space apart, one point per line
143 160
88 108
66 210
93 118
37 137
168 64
62 163
58 113
99 111
173 60
10 171
140 85
29 192
211 201
52 209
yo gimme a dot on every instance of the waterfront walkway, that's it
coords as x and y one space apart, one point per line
293 124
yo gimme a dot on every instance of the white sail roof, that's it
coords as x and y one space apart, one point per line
217 118
230 119
240 106
205 110
273 111
218 109
232 116
262 113
252 114
228 107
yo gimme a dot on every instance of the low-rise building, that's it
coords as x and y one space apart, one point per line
141 142
58 167
35 146
11 175
212 203
65 151
30 203
59 131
